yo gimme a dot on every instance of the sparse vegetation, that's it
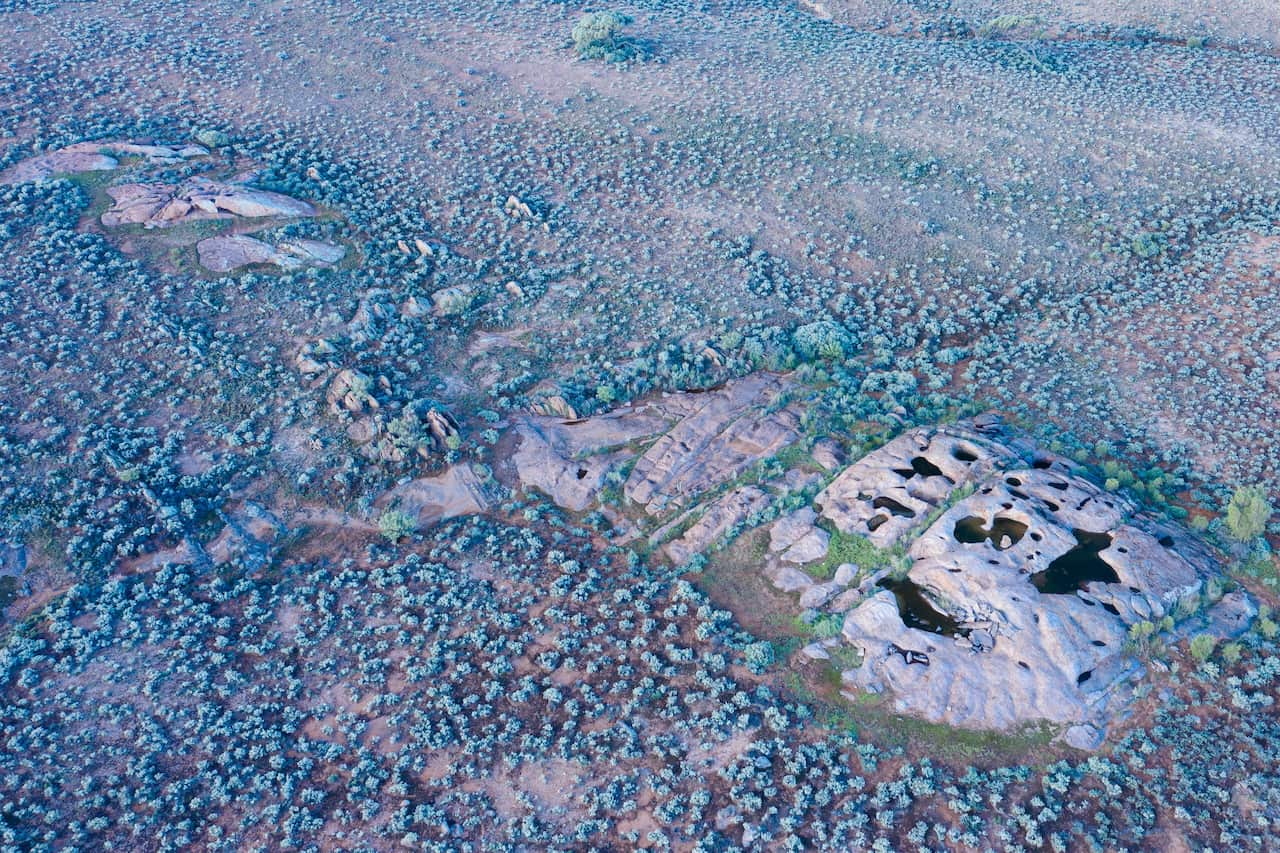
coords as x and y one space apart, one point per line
1071 215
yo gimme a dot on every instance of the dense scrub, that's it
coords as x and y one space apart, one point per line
497 686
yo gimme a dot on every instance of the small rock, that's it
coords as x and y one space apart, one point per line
1085 736
815 651
789 579
789 529
845 573
810 548
819 594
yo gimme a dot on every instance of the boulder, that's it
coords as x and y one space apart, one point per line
808 548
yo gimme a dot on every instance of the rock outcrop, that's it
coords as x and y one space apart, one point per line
93 157
231 252
1018 598
431 499
164 205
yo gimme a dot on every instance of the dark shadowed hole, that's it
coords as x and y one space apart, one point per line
1013 481
1077 567
582 473
1062 487
1110 608
963 454
1084 676
1042 463
873 524
972 530
893 507
918 612
1166 541
1023 664
922 467
1099 643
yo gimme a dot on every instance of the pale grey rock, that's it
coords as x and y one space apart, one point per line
791 528
890 491
815 651
1014 652
722 516
808 548
819 594
827 454
723 433
231 252
789 579
845 600
92 157
1085 737
162 205
570 460
223 254
846 573
454 493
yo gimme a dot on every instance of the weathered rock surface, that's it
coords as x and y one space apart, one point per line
891 490
1018 599
162 205
92 157
570 459
722 516
727 431
231 252
430 499
703 441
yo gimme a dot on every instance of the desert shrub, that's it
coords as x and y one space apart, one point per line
1247 513
396 524
1202 646
823 339
758 656
599 35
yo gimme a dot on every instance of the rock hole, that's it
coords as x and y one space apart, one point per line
1077 567
922 467
1134 589
1042 463
1053 507
873 524
1099 644
893 507
1018 494
1110 608
582 473
963 454
1062 487
1023 664
917 611
1123 550
1013 481
1003 533
1166 541
1084 676
1036 537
